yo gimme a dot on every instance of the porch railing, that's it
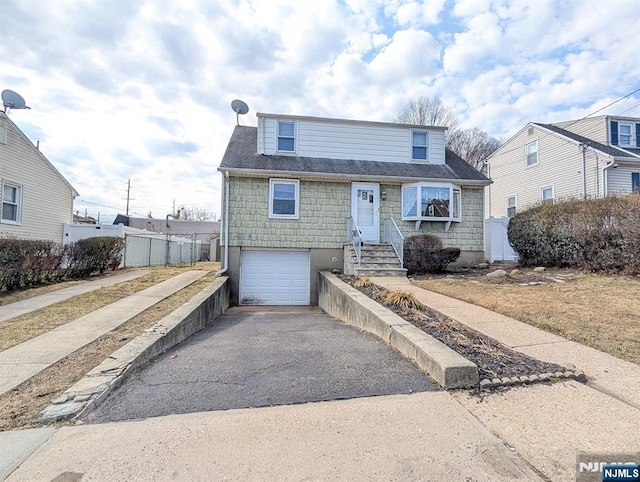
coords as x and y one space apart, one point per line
393 236
353 237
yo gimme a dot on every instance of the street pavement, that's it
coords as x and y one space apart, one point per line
256 356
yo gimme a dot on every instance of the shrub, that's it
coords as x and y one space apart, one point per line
28 262
423 253
596 234
363 283
402 300
93 254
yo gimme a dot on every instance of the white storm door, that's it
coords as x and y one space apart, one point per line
365 209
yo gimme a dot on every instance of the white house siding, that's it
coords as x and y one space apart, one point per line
619 180
350 140
594 128
47 200
559 165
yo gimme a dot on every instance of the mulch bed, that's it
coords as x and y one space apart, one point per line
494 360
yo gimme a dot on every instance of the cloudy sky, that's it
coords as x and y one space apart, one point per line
140 90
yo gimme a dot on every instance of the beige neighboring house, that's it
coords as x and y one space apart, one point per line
592 157
293 184
36 199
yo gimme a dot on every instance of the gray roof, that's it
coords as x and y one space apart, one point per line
610 150
240 157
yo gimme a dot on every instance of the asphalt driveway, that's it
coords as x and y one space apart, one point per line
263 356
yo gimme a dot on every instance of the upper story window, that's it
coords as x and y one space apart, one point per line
624 134
11 203
286 136
424 201
531 153
511 206
284 199
546 194
419 145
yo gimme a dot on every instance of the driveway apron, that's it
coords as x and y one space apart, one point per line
263 356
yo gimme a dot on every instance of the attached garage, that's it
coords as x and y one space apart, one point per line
274 277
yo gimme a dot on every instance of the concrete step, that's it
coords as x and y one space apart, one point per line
369 272
380 265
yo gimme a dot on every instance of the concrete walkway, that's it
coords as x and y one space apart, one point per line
549 424
23 361
18 308
424 436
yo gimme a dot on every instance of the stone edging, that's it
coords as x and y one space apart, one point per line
96 385
571 373
445 366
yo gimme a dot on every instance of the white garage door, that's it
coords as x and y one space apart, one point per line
274 278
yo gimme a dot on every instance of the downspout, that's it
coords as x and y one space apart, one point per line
605 178
225 225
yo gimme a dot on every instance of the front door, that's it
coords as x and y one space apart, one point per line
365 209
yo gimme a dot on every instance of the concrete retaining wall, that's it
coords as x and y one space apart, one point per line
444 365
193 316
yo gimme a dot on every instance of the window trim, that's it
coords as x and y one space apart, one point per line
553 194
426 145
515 205
294 182
631 126
4 135
527 154
455 202
18 204
294 136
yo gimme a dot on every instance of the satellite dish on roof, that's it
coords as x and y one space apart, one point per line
239 107
13 100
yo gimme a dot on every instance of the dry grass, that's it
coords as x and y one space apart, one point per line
598 311
402 300
19 406
363 283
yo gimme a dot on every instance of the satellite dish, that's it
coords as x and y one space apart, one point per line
239 107
13 100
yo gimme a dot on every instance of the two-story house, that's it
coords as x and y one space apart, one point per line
293 185
591 157
36 199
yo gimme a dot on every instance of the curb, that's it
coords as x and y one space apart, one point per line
95 386
448 368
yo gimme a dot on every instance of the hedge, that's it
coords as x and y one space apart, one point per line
594 234
423 253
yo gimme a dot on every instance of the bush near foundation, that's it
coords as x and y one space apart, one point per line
593 234
423 253
25 263
89 255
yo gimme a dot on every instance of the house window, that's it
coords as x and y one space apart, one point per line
431 202
624 134
284 199
419 145
11 203
531 151
635 182
511 206
286 136
3 135
546 194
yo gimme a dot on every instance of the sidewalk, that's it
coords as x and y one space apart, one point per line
548 424
42 301
23 361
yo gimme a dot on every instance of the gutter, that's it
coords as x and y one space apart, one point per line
225 226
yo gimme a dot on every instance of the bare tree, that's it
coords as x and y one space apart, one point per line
196 213
424 111
473 145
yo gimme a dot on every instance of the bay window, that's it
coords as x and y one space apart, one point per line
425 201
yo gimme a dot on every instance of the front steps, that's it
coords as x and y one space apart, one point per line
375 260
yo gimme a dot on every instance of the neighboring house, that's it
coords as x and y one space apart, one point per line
208 232
592 157
292 185
36 199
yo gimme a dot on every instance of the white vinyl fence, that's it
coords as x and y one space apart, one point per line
496 242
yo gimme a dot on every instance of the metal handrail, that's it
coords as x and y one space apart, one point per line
393 236
353 237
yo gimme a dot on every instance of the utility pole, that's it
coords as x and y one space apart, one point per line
129 198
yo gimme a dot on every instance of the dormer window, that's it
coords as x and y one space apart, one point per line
286 136
419 145
624 134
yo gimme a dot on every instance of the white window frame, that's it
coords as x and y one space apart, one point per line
294 136
294 182
527 153
3 135
514 207
553 194
426 145
18 204
626 136
455 203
